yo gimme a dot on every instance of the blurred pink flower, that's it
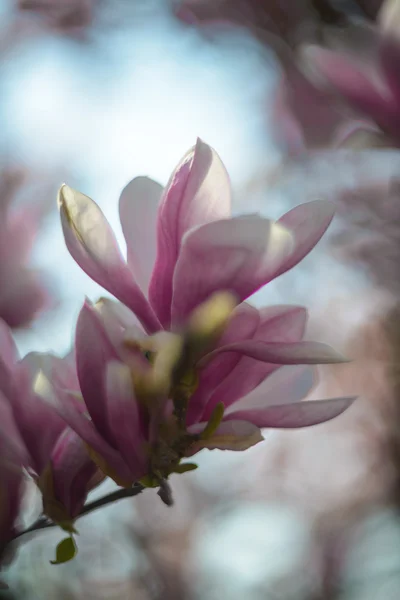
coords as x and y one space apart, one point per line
22 294
64 15
58 460
373 89
208 374
347 94
13 457
285 19
303 116
13 453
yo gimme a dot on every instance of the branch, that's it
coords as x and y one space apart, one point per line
44 523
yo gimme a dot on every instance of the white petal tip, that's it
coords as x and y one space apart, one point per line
64 194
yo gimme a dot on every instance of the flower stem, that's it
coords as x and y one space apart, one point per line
44 523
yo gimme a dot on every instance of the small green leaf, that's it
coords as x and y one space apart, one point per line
185 467
65 551
214 421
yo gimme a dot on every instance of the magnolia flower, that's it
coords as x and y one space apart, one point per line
344 94
200 366
372 89
359 73
22 294
13 457
58 460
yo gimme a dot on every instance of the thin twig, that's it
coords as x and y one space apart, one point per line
44 523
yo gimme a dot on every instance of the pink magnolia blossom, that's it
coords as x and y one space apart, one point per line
58 460
210 373
13 453
360 73
346 93
22 294
308 114
372 89
13 457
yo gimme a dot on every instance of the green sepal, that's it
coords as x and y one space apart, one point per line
66 550
149 482
214 422
185 468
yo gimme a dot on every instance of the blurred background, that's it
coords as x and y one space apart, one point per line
96 92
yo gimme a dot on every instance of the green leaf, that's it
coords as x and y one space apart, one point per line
65 551
214 422
185 467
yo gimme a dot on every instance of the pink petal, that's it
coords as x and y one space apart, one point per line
119 324
138 205
12 447
239 255
123 331
22 230
116 314
8 349
279 324
197 193
282 323
307 223
124 418
8 360
60 401
280 353
92 244
61 370
303 115
72 470
230 435
93 352
285 386
243 325
13 456
38 424
23 297
299 414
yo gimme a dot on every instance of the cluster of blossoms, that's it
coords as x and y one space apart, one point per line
180 361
